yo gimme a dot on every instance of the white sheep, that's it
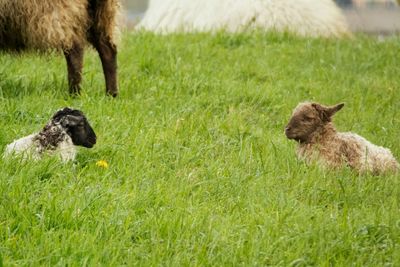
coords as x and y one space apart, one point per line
67 128
311 126
304 17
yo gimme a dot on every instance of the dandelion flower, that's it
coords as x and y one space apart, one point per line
102 164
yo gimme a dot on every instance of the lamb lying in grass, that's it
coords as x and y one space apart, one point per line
311 126
67 128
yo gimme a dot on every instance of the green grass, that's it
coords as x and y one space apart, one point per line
200 171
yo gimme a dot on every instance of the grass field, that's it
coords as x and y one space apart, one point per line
200 172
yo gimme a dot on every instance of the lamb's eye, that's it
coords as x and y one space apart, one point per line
308 118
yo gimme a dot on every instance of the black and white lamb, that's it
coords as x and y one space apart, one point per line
66 129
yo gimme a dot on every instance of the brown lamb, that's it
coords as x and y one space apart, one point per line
311 126
66 25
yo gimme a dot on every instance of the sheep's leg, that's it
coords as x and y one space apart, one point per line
74 57
108 55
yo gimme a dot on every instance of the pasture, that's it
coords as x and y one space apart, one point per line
199 170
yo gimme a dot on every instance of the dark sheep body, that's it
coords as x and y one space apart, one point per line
66 25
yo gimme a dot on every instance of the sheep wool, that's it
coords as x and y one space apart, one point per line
53 24
67 26
52 140
303 17
336 149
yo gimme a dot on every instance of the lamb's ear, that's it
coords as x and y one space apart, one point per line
70 120
322 111
332 110
327 112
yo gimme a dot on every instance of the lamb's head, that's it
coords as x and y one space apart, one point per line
307 118
76 126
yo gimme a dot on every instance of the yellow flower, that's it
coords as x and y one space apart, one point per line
102 164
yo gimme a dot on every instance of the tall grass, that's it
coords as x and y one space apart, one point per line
200 172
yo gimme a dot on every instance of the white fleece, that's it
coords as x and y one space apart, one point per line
303 17
29 148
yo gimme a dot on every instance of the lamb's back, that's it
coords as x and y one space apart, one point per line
366 156
25 145
29 147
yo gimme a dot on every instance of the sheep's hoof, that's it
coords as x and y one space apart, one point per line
74 94
74 91
113 94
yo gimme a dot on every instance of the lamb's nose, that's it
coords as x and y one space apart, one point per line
287 128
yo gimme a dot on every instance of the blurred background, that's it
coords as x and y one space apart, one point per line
369 16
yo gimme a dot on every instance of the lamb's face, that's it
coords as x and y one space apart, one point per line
304 121
82 134
307 118
77 127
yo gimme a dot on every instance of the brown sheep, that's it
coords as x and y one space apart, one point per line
66 25
311 126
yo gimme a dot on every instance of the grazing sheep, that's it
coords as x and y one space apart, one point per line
304 17
311 126
66 25
67 128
